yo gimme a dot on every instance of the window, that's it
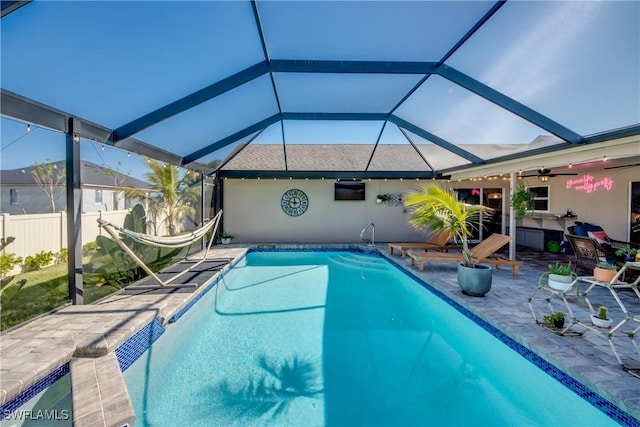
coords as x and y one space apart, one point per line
98 196
13 196
540 198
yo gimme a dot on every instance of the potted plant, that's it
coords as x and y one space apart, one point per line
629 253
225 237
380 198
435 209
560 276
605 271
601 319
554 320
521 201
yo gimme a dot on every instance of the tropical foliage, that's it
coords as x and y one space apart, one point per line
173 196
521 201
116 266
434 208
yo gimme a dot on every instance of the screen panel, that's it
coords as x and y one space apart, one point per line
112 62
560 57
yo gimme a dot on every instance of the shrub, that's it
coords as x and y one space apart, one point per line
7 262
89 249
62 256
37 261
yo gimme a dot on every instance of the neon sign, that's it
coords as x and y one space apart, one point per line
587 184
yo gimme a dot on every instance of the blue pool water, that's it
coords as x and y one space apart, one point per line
338 338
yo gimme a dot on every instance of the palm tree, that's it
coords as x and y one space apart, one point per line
437 209
172 194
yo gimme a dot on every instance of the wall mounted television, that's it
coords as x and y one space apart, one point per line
349 191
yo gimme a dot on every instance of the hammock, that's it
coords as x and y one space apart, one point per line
166 242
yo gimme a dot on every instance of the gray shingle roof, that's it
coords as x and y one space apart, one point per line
354 157
92 174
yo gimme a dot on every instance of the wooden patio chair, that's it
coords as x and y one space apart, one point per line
482 253
438 242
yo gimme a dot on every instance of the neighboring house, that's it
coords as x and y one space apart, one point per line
102 189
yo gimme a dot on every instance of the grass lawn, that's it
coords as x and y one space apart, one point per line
44 290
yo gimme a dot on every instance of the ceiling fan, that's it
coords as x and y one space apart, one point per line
544 174
624 166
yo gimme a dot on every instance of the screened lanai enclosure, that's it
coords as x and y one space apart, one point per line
297 90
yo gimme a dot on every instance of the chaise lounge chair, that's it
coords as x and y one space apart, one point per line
438 242
482 253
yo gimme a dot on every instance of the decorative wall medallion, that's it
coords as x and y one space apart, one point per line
294 202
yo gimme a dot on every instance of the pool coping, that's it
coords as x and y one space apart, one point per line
164 315
34 354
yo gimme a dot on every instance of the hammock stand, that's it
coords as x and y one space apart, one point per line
165 242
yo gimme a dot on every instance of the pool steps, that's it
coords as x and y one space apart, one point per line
355 260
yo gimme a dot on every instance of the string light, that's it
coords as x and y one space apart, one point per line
28 128
604 158
570 165
76 138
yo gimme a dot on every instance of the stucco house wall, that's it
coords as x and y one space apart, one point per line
252 209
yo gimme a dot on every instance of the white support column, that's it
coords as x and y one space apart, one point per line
512 217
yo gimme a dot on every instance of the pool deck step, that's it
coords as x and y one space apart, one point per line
100 396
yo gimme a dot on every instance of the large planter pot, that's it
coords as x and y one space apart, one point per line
603 274
475 281
560 283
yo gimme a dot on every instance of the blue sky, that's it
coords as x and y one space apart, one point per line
111 62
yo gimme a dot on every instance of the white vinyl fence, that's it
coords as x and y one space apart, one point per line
48 232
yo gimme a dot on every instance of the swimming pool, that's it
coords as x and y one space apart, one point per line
339 338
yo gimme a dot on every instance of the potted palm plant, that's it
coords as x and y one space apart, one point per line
435 209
